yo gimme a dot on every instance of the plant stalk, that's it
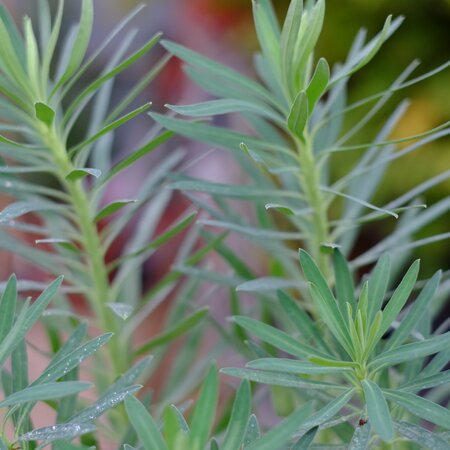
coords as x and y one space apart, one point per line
310 182
100 294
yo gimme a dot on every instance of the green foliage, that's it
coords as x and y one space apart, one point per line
44 108
378 357
55 385
366 368
297 116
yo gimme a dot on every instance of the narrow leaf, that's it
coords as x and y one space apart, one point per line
46 391
144 425
398 299
204 411
298 116
318 83
378 410
421 436
235 433
344 282
112 208
66 431
281 434
421 407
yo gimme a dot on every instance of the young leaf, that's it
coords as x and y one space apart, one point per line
267 31
344 283
325 298
80 44
419 307
318 83
288 41
398 299
44 113
302 321
378 283
298 116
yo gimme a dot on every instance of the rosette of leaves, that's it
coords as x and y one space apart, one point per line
61 173
301 125
58 385
373 365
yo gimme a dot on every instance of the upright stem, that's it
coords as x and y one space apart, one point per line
100 294
310 183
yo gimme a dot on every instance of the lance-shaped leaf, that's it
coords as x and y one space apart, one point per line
421 407
27 317
144 425
398 299
112 208
325 300
414 315
80 43
204 411
298 116
361 437
46 391
278 338
344 282
378 410
44 113
8 307
65 431
107 401
378 283
421 436
281 434
235 433
318 83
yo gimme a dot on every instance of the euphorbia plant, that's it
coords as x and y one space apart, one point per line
362 352
358 353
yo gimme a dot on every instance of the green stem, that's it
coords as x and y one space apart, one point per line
100 294
310 183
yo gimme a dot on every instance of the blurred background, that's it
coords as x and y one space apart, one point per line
223 30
